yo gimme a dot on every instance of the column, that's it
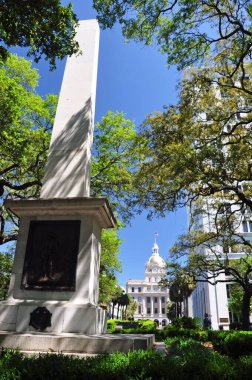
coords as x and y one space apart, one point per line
144 311
152 299
160 304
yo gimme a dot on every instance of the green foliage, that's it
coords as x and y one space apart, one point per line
46 27
187 360
115 161
200 363
130 327
245 367
186 31
109 265
236 299
111 325
186 322
26 121
173 332
6 263
232 343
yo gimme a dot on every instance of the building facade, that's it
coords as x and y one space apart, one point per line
150 297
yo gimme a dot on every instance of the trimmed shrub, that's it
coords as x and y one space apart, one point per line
217 338
188 360
235 326
238 343
232 343
244 366
197 362
172 331
186 322
144 327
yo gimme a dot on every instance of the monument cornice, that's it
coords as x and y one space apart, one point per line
83 206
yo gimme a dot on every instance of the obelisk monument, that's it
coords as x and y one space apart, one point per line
54 284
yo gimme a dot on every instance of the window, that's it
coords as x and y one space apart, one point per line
155 299
139 309
163 310
148 299
139 290
163 299
139 299
247 226
156 310
133 289
228 286
148 310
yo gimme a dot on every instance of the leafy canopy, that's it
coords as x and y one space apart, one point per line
115 161
186 31
26 121
46 27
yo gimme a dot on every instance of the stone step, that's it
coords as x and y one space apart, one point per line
76 343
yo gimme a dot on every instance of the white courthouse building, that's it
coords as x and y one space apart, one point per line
150 297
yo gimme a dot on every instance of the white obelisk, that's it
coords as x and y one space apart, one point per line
68 165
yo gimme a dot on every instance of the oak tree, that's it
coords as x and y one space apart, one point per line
45 27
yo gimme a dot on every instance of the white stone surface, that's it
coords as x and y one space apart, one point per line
72 343
65 196
68 165
72 311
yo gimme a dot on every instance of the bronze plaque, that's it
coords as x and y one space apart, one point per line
224 320
51 255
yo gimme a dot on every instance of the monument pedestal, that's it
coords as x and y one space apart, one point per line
56 266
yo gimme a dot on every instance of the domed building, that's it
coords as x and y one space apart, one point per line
150 297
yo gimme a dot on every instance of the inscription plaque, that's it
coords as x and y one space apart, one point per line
51 255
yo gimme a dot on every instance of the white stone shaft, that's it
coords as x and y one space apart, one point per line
68 164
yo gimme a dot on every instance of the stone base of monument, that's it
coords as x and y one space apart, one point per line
56 317
75 343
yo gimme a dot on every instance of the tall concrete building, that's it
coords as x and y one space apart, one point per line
150 297
204 215
213 299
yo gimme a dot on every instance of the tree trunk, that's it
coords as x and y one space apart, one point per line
118 306
246 309
113 309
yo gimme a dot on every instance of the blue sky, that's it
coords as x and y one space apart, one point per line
134 79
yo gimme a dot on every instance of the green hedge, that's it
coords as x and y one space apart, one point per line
232 343
172 331
188 360
145 327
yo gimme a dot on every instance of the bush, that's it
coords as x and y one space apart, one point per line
188 360
238 343
186 322
144 327
232 343
217 338
172 331
244 365
197 362
235 326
